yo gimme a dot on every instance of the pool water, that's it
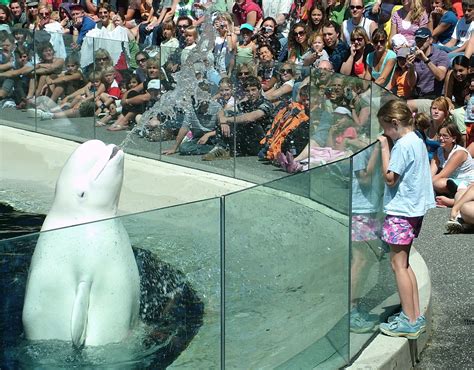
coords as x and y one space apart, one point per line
171 312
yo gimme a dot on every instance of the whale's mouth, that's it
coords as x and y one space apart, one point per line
115 150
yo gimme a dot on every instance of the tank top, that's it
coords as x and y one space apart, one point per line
465 170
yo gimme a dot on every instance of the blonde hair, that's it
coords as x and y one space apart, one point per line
444 104
421 121
417 10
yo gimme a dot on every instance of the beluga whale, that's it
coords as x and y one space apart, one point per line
83 283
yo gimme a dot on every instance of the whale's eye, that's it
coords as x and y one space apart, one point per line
82 195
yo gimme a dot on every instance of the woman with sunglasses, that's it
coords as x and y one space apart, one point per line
297 43
280 94
381 62
356 64
242 72
408 19
357 19
44 22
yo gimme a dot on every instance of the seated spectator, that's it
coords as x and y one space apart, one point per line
469 116
400 84
381 62
140 58
457 82
338 51
462 215
356 63
243 71
65 19
279 11
15 81
66 82
7 44
297 43
135 99
317 18
200 123
31 14
452 166
18 16
266 71
316 53
337 11
246 127
105 13
170 43
267 35
246 11
49 66
46 23
409 19
280 94
442 21
357 19
191 36
78 104
246 48
224 45
462 32
224 95
111 94
81 22
431 65
5 18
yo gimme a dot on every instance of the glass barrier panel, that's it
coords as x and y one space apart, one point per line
177 283
379 97
373 290
286 278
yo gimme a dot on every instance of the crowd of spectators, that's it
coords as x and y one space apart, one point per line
292 82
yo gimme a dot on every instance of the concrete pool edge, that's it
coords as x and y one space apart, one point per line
385 352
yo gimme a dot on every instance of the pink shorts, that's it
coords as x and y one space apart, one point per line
400 230
364 227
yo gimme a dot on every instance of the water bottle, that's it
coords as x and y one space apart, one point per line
292 148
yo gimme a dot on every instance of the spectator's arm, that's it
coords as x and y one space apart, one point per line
139 99
391 178
6 66
438 72
252 18
91 8
17 72
247 117
448 85
393 31
386 72
273 94
411 76
129 14
66 78
451 43
346 67
451 165
470 47
183 130
440 29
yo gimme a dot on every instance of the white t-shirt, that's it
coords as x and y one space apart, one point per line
348 26
462 31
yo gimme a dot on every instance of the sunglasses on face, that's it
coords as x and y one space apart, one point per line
143 60
102 59
381 42
356 7
358 39
301 33
103 13
44 14
244 73
32 6
284 70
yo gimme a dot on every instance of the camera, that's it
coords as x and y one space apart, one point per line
412 49
222 25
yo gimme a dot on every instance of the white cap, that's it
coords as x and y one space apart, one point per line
343 110
399 41
154 84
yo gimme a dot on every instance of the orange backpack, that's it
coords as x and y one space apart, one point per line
286 120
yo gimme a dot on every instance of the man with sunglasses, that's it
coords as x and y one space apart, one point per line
357 19
337 50
428 68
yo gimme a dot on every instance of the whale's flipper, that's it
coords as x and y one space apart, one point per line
79 314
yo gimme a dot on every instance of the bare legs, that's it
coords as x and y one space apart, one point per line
406 281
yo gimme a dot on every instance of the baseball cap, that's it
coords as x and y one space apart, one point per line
32 3
403 52
422 33
399 41
343 110
246 26
154 84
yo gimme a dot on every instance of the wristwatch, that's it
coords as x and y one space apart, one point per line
427 61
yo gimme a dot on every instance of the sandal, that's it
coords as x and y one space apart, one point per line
100 124
116 127
454 227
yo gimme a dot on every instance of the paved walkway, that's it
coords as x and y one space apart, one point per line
450 261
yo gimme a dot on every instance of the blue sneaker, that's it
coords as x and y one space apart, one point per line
421 320
360 323
401 327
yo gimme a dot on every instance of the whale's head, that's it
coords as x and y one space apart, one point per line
88 187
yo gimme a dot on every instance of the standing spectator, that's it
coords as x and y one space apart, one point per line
356 64
338 51
408 196
407 20
242 132
381 62
442 21
246 11
430 65
357 20
18 15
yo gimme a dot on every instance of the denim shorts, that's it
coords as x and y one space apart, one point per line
400 230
